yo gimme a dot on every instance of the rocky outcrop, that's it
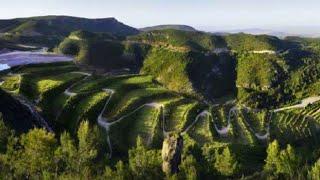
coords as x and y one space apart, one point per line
171 153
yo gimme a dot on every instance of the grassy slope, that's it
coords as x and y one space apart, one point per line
132 91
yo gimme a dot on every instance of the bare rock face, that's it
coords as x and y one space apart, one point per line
171 153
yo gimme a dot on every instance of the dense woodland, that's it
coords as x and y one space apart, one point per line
40 154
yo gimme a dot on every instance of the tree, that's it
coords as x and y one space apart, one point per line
121 172
272 156
189 168
78 158
66 153
87 147
226 163
288 161
284 162
5 133
314 173
7 160
36 154
145 164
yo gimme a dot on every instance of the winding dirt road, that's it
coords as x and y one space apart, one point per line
304 103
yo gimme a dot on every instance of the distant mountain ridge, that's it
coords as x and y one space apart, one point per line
169 26
62 26
281 32
256 31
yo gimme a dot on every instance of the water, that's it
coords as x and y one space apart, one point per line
15 58
4 67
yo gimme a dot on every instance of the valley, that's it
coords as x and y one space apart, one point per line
144 104
136 106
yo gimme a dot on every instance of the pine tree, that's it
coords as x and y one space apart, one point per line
189 168
8 160
36 154
272 156
284 162
87 147
5 133
78 159
288 161
144 163
314 173
66 153
120 173
225 163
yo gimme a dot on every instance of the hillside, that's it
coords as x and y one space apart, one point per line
247 42
100 50
253 63
62 26
194 73
85 95
4 44
204 65
135 101
50 30
181 39
192 69
169 26
125 118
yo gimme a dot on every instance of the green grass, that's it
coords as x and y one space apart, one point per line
79 107
47 83
47 68
98 82
136 98
220 115
258 121
246 131
202 132
132 92
37 86
176 114
58 103
11 83
46 91
290 127
144 123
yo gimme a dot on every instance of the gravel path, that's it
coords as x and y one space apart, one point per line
304 103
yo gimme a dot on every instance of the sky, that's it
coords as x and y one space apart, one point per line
205 15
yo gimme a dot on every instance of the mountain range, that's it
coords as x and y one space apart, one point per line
171 26
62 26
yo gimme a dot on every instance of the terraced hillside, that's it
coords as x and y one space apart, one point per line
128 106
139 106
258 70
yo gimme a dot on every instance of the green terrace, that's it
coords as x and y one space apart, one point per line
137 105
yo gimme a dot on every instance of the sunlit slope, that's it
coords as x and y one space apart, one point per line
50 30
260 71
128 106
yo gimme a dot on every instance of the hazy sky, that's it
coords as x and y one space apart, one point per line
203 14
